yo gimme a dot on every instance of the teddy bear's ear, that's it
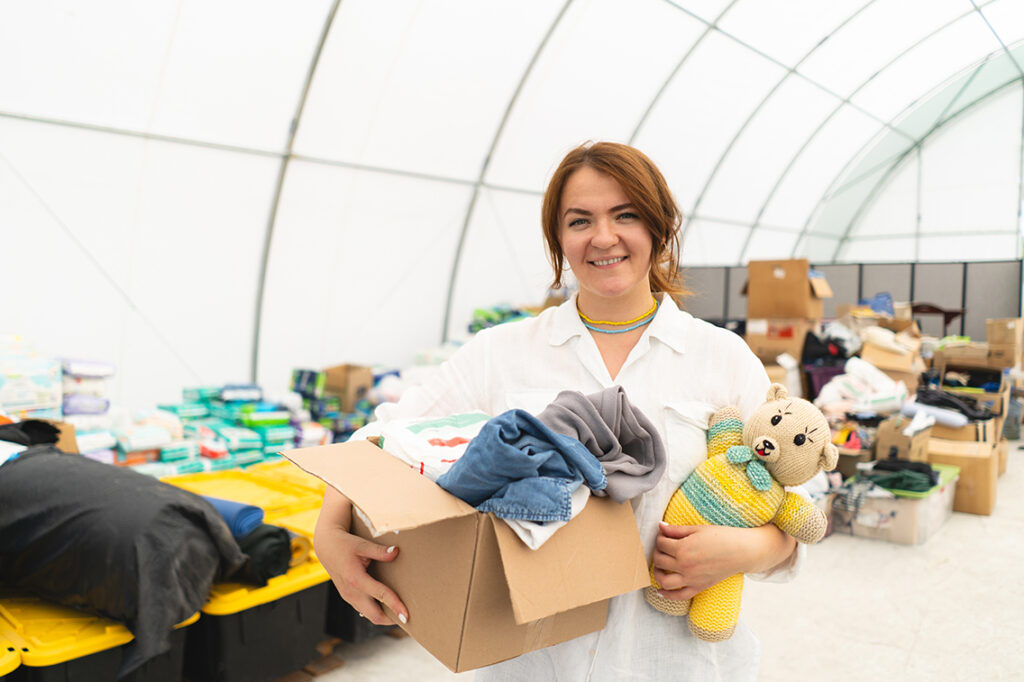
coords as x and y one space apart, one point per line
829 457
777 392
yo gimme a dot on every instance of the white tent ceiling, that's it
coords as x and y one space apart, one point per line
207 191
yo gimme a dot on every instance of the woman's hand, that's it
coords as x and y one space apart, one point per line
689 559
346 558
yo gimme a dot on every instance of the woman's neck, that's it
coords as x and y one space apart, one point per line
618 309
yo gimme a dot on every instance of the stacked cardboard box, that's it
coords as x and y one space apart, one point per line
976 447
1005 341
785 300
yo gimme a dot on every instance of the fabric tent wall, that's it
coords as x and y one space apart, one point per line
208 192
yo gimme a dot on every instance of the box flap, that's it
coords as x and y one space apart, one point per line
820 287
601 544
387 490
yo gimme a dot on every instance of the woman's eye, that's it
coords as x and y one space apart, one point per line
776 419
578 222
627 216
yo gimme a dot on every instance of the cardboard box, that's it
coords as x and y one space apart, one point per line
476 594
350 383
770 338
1005 331
849 458
1003 355
967 355
784 288
1003 452
983 431
908 519
979 469
890 439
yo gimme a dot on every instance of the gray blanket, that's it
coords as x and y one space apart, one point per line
618 434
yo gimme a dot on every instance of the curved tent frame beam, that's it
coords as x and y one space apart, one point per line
487 164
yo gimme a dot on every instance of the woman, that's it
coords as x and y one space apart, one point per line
609 217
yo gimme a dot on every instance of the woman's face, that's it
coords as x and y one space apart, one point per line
606 243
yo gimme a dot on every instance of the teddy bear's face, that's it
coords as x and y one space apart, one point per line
791 438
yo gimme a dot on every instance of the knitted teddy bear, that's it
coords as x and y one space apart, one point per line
786 442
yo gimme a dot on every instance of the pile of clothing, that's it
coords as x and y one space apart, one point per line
536 472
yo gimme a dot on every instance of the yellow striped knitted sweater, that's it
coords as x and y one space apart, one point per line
736 487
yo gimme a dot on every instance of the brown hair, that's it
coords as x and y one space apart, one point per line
647 190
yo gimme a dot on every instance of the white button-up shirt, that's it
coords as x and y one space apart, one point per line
679 373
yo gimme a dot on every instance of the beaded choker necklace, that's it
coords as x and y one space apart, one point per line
628 325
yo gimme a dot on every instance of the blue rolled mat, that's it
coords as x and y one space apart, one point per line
241 518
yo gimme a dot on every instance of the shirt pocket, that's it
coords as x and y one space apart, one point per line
532 400
686 428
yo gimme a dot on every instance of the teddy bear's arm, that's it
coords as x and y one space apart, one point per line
725 429
801 519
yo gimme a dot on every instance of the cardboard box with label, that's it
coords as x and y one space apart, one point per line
476 594
978 462
909 518
890 441
350 383
770 338
784 288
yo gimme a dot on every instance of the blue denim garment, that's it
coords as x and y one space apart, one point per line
518 468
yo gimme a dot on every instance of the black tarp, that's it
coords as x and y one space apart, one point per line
112 541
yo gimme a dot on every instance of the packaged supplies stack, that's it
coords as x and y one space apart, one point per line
785 301
310 428
86 405
30 385
140 444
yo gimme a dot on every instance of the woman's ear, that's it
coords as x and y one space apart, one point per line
777 392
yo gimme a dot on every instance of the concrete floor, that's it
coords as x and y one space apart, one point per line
949 609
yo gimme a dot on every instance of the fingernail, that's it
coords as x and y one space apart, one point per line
662 524
402 618
390 549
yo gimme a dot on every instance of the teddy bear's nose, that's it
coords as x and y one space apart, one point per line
767 446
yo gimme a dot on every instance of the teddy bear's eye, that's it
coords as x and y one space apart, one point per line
799 439
776 419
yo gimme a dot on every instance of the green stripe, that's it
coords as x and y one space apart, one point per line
716 511
456 420
725 426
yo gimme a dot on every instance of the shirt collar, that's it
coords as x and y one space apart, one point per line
668 326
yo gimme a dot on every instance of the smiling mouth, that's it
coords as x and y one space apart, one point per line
609 261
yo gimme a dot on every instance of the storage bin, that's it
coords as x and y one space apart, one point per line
10 657
60 644
251 633
273 496
345 623
817 377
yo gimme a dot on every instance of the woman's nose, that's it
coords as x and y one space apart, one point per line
605 235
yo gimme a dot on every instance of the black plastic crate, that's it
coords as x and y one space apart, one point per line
103 665
259 643
345 623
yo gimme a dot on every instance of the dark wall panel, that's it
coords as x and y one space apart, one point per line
993 290
737 301
893 278
707 292
940 284
842 279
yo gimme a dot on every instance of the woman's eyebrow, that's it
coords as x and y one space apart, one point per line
575 210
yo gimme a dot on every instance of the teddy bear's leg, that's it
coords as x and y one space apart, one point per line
678 513
673 607
715 611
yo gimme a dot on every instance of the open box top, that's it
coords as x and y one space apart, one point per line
541 582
